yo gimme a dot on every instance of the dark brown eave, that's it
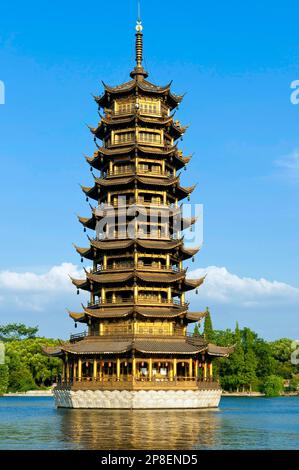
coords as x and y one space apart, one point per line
219 351
99 158
101 184
145 345
142 86
91 252
116 312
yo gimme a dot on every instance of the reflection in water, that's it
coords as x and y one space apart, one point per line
140 429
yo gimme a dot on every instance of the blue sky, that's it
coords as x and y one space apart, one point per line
235 61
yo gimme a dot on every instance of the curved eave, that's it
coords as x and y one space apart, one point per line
88 222
144 86
195 316
190 252
125 180
107 278
190 284
78 317
219 351
84 252
83 284
91 192
188 222
52 351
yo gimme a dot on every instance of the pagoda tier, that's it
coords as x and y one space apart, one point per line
169 188
116 312
146 345
168 100
91 222
104 157
172 127
137 314
166 250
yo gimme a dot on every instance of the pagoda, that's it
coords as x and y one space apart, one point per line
137 352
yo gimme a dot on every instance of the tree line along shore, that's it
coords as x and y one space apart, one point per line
255 367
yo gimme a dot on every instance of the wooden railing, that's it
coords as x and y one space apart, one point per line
88 383
140 301
146 266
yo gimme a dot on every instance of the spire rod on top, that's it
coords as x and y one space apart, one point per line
139 71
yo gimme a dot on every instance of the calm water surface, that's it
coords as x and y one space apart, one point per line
239 423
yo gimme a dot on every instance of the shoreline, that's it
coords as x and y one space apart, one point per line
49 393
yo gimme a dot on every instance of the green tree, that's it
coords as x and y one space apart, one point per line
273 386
250 360
232 367
17 331
208 327
4 378
196 331
21 380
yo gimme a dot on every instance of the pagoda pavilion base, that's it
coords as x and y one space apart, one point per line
137 399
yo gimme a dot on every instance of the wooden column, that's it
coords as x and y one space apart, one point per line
196 368
182 298
105 262
167 261
67 370
118 368
95 365
174 367
150 368
74 371
134 367
190 367
103 295
211 370
63 372
169 294
205 371
79 369
135 293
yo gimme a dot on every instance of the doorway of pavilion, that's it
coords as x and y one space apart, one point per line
183 369
162 370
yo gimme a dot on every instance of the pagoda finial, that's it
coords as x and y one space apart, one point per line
139 43
139 71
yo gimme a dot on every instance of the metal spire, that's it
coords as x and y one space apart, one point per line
139 73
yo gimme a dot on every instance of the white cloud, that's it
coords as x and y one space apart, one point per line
289 165
56 279
29 291
223 287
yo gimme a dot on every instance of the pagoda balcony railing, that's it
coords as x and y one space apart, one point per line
78 337
145 266
131 202
140 301
132 111
120 333
133 171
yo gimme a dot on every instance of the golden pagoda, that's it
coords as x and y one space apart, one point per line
137 352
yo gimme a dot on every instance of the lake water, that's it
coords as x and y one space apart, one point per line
239 423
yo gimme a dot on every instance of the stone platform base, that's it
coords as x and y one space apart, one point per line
141 399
